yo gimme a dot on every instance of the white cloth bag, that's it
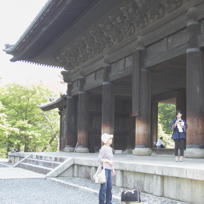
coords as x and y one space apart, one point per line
100 176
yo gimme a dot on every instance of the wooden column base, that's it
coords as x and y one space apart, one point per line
142 151
68 148
81 149
194 153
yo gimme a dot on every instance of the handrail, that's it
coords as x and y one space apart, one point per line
16 164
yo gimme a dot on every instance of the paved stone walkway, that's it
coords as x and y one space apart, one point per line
20 186
5 163
42 191
18 173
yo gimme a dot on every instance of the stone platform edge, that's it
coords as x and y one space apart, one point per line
176 170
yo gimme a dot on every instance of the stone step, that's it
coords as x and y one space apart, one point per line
163 151
44 163
48 158
35 168
41 163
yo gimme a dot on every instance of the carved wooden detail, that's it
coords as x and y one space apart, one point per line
125 21
94 79
177 39
121 66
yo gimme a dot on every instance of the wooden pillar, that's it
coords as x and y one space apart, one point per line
194 89
107 125
154 120
181 102
82 119
61 137
141 103
69 120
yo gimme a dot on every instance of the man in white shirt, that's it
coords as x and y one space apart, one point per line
160 143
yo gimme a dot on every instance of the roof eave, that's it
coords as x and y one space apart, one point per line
58 103
35 21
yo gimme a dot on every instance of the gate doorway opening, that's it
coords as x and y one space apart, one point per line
166 114
164 108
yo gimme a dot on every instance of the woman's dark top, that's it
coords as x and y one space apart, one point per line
176 133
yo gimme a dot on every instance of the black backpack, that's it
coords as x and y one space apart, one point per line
131 195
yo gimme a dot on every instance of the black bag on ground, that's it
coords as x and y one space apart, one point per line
131 195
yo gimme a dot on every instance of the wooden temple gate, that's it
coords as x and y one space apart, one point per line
120 58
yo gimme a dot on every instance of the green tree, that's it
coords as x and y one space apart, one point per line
5 131
166 113
32 128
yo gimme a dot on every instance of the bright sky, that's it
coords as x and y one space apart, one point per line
15 17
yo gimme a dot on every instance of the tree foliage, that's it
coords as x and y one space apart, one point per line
24 126
166 114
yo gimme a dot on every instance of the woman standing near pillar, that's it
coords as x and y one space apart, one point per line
105 158
179 135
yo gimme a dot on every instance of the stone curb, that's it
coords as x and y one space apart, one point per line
79 187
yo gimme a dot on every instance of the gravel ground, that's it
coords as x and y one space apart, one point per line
42 191
15 189
146 198
4 163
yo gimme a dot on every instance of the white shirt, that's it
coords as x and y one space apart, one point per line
180 126
159 143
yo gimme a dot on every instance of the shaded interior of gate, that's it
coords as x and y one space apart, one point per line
168 80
